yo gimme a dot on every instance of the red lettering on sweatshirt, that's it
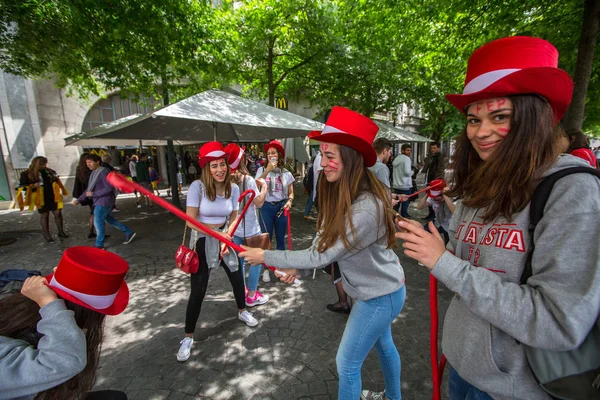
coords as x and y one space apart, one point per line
515 241
471 235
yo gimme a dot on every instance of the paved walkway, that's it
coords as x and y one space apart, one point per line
290 355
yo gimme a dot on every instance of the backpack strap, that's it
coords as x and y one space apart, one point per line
538 203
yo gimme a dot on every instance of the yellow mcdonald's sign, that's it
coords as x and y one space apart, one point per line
281 103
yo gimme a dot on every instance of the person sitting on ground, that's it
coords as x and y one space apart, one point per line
51 332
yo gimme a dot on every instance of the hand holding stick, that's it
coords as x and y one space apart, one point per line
120 182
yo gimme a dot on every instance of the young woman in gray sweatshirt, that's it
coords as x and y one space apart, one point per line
356 229
510 142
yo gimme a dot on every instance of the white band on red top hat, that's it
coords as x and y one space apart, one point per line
485 80
96 301
331 129
215 153
236 163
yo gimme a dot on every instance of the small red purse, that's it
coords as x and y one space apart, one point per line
187 259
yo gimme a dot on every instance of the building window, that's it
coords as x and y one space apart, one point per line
112 108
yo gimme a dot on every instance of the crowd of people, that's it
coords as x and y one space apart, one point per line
524 291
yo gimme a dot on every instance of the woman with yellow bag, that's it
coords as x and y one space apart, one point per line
43 190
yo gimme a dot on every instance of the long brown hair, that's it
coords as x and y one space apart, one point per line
18 320
280 159
504 184
336 198
209 182
33 172
83 172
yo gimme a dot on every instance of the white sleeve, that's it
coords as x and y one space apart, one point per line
251 185
235 195
289 178
193 195
259 172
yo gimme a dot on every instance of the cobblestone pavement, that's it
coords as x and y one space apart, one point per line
290 355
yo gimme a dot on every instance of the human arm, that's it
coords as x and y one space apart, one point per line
449 203
290 201
259 200
422 203
558 306
367 231
60 353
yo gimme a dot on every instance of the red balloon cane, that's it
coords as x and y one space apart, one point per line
289 228
423 190
437 370
121 182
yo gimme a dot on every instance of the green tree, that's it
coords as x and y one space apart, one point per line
278 40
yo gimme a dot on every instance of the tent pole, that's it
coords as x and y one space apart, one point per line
214 131
141 147
173 173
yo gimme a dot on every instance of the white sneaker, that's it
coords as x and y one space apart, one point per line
369 395
139 206
258 299
266 277
248 318
185 349
420 264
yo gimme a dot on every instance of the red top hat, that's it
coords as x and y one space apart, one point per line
436 188
235 155
515 65
92 278
211 151
278 146
349 128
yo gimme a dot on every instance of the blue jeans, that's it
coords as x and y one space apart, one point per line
404 205
309 205
462 390
269 219
103 214
254 273
370 325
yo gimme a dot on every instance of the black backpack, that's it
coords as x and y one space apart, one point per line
573 374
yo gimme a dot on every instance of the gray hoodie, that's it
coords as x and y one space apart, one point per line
491 312
369 269
60 355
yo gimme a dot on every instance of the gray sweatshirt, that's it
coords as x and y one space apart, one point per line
491 312
368 269
60 355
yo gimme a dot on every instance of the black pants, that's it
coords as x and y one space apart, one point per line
199 283
106 395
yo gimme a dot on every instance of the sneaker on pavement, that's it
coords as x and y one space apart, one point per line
116 210
139 206
266 277
129 238
257 300
185 349
248 318
369 395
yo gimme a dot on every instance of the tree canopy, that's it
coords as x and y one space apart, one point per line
369 55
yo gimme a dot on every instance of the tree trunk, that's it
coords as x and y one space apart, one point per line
270 83
583 67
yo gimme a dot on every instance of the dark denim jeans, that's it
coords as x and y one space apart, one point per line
462 390
269 220
402 206
103 214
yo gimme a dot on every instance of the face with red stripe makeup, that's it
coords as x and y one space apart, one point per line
331 161
488 123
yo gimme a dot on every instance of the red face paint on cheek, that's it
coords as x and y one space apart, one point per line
503 130
334 166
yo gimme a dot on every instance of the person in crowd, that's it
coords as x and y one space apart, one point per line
133 172
309 181
192 171
143 178
402 176
355 227
579 146
280 196
289 165
103 196
212 200
249 226
154 179
82 177
383 147
44 191
511 140
415 171
443 207
434 168
106 160
51 332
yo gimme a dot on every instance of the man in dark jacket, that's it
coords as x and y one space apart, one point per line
435 168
